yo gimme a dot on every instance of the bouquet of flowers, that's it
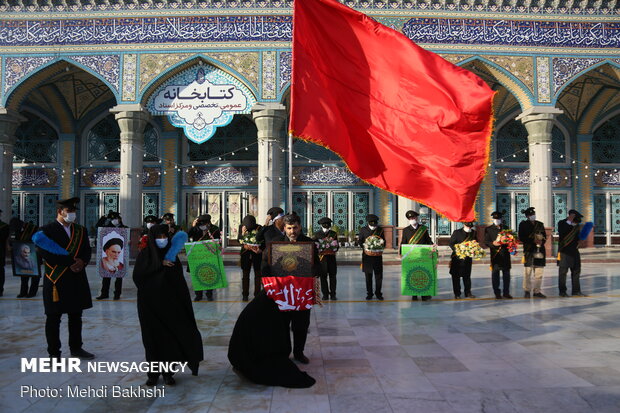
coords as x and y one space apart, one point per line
374 245
507 238
248 240
469 249
327 246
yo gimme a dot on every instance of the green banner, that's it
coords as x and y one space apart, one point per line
206 266
419 270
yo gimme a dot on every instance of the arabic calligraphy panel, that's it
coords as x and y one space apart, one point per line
42 178
220 176
328 175
518 177
111 178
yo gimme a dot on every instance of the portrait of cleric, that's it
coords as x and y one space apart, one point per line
25 259
112 258
291 259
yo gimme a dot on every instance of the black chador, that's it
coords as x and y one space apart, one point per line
461 268
169 331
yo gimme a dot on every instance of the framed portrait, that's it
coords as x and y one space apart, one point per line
25 259
291 258
112 252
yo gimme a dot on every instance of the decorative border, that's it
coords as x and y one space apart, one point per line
32 177
221 176
130 75
111 177
543 78
327 175
565 68
269 74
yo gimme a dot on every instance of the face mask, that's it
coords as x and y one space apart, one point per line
203 227
413 222
161 242
467 229
326 226
149 225
325 229
497 222
70 217
532 217
115 222
372 227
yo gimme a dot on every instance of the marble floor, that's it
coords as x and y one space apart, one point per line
480 355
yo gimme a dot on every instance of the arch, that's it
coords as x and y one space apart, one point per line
583 72
609 115
605 144
18 92
181 65
37 141
505 78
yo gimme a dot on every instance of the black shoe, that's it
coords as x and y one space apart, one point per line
82 354
414 298
563 295
325 297
380 297
526 294
498 296
197 298
580 294
539 295
245 298
209 298
369 296
470 295
55 356
22 296
508 296
333 297
151 381
301 358
457 297
117 297
102 297
426 298
169 380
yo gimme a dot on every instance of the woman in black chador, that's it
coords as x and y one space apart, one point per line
169 331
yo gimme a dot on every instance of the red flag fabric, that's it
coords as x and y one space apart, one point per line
402 118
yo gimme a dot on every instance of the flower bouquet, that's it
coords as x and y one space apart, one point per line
469 249
248 240
374 245
507 238
327 246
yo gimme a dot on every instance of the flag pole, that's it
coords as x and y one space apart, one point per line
290 172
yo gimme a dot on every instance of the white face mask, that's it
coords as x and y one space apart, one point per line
115 222
413 222
161 242
325 229
532 217
497 222
203 227
372 227
70 217
467 229
149 225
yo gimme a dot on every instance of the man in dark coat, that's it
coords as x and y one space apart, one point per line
66 251
328 259
533 236
299 320
461 267
250 257
113 220
23 232
500 256
273 228
415 233
372 263
167 322
168 219
568 253
202 230
4 242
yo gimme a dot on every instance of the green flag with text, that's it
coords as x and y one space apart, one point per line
419 270
206 266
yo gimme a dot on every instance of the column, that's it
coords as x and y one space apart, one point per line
9 121
539 122
584 182
269 119
132 120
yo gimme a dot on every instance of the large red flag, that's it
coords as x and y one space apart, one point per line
402 118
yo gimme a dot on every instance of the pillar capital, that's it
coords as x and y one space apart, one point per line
539 123
269 119
132 119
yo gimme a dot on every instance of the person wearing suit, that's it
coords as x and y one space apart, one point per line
461 267
329 267
500 256
372 263
415 233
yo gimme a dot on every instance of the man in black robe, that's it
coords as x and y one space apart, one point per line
532 235
372 263
4 241
568 253
500 256
250 257
260 345
167 322
461 267
23 232
329 267
113 220
203 230
415 233
64 246
273 228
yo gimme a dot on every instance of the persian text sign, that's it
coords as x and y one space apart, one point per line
201 99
